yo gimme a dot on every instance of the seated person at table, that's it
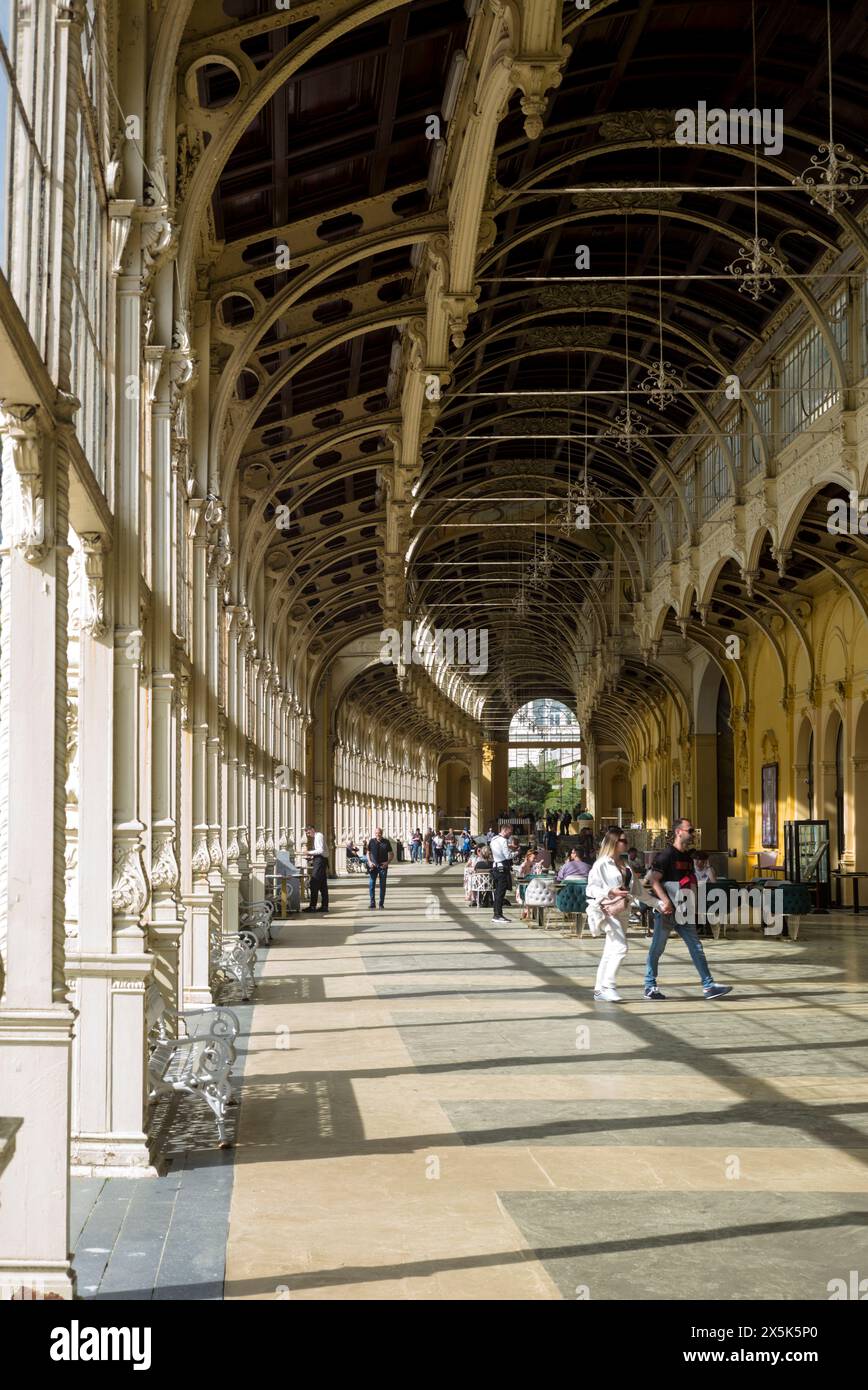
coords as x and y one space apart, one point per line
703 870
525 867
539 855
575 867
478 862
530 866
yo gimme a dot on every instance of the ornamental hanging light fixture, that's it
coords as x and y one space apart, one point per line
757 266
627 429
541 565
832 171
662 383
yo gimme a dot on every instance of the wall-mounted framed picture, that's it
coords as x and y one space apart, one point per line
770 805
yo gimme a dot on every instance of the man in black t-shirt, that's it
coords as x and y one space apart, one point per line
673 882
379 857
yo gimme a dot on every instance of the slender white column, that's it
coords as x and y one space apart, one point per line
197 938
218 561
126 1144
243 705
167 921
232 878
90 959
35 1016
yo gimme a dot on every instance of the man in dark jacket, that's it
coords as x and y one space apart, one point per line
379 856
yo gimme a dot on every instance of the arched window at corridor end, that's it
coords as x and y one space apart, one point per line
546 769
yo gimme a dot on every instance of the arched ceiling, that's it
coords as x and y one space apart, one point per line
309 356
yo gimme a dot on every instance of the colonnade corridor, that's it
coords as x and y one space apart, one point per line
433 1107
433 428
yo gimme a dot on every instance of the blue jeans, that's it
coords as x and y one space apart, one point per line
373 875
691 940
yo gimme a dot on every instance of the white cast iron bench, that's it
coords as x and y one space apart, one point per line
207 1021
254 922
233 958
194 1067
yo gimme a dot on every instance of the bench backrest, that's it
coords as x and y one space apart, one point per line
155 1006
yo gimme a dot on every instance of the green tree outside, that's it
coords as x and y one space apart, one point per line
536 788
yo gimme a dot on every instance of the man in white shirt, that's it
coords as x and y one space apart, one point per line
501 872
319 863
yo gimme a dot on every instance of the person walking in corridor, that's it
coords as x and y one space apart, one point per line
607 907
379 858
673 882
319 866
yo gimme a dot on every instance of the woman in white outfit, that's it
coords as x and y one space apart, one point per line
607 911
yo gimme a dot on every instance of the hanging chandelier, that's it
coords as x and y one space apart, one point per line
541 565
566 515
756 267
662 383
832 171
520 604
627 431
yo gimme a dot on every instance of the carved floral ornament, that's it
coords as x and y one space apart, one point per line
159 245
201 858
23 455
658 127
129 884
94 546
190 149
165 874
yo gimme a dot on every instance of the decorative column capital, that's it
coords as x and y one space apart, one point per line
23 447
94 548
120 212
159 244
129 884
217 533
536 78
201 857
155 357
165 874
70 12
458 308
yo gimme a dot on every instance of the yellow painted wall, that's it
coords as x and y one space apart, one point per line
836 645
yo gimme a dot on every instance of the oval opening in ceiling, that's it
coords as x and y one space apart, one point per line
408 203
344 225
333 312
326 419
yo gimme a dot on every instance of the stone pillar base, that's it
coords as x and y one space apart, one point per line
111 1156
36 1280
35 1050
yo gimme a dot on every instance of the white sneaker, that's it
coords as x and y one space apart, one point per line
611 996
502 921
